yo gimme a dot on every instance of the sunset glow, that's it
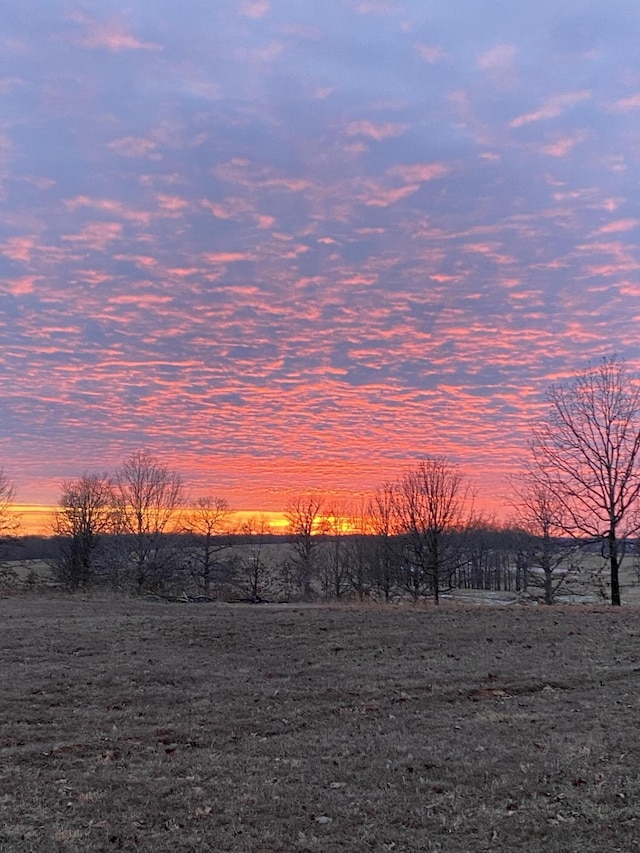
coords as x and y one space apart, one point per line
290 246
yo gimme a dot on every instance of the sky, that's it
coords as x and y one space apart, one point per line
286 245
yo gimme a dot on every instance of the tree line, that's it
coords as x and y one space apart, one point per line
576 502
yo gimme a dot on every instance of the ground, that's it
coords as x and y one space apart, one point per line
133 725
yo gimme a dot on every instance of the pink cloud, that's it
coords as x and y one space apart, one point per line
19 248
171 203
382 197
132 146
255 8
146 262
430 53
376 7
388 130
20 286
96 235
227 257
561 147
421 172
142 299
625 105
111 206
261 55
553 107
112 35
619 225
499 64
9 84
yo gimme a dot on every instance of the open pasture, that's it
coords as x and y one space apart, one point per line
133 725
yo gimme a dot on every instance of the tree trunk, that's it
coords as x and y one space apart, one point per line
615 566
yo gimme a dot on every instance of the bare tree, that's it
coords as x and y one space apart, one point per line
9 527
384 526
361 550
84 513
149 498
207 525
538 514
305 523
335 574
485 560
255 575
432 506
587 454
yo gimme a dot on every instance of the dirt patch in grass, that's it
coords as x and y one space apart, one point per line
130 725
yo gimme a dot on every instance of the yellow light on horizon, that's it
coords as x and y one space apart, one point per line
35 519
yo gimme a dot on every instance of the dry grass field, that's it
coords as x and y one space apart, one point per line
142 726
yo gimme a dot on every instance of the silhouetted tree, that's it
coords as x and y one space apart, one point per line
485 559
9 528
305 523
335 576
432 506
148 498
538 513
255 575
360 552
207 526
587 454
387 558
84 513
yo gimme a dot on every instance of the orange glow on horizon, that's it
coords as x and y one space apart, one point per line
35 519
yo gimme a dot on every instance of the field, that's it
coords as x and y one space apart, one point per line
132 725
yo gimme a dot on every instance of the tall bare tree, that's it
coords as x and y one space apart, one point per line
254 570
305 519
432 505
335 573
149 498
360 551
538 515
587 453
383 524
85 511
207 524
9 526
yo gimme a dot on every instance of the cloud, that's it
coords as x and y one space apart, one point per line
563 146
619 225
552 108
500 64
255 8
10 84
376 7
112 35
388 130
112 207
430 53
628 104
421 172
133 146
95 235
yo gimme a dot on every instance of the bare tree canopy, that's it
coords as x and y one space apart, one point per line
85 511
207 523
149 497
432 502
9 521
538 515
587 453
305 516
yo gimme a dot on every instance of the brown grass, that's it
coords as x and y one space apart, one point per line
131 725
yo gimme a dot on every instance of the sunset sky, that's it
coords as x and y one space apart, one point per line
289 244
